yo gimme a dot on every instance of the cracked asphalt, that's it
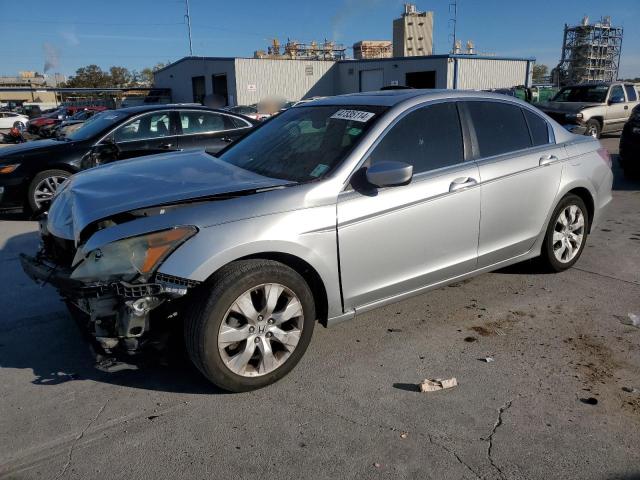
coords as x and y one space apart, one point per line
352 409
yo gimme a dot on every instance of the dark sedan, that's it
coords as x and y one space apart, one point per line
31 172
630 144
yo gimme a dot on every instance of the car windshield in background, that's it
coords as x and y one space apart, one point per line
96 124
584 93
303 144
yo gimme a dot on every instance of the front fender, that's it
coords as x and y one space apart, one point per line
309 234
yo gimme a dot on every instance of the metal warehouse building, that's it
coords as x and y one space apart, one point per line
245 81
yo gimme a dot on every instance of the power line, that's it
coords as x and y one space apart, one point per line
106 24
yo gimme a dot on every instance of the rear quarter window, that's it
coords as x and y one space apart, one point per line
538 127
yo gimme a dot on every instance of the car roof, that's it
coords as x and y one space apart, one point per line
390 98
167 106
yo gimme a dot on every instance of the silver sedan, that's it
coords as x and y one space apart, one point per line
330 209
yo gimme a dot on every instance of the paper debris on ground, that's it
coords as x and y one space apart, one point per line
486 359
631 319
433 385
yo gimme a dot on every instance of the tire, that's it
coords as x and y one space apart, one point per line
39 186
216 310
594 129
559 236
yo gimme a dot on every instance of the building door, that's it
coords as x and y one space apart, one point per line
197 85
219 82
371 80
421 79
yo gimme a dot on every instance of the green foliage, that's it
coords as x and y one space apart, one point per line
540 73
92 76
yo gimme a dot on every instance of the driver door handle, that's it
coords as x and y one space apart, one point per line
226 139
462 183
547 160
166 146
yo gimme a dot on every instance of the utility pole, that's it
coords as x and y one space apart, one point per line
188 17
454 20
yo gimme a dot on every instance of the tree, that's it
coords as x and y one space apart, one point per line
120 77
540 73
91 76
146 74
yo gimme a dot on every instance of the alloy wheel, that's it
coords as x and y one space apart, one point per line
568 233
46 189
260 330
593 131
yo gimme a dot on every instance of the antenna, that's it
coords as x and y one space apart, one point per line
453 10
188 17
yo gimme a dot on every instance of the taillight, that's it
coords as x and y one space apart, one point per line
604 155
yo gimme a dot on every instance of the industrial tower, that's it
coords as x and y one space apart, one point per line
590 53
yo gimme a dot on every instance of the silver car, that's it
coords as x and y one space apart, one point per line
328 210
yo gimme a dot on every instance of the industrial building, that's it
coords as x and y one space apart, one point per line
366 49
245 81
413 33
590 53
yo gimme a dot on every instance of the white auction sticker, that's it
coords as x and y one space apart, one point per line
355 115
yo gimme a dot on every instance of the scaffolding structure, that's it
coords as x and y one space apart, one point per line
372 49
590 53
294 50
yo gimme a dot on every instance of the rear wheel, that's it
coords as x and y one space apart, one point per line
252 326
43 187
566 234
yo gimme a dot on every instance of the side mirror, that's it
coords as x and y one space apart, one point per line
616 99
389 174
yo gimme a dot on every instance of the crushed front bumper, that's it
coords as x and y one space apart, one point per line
117 314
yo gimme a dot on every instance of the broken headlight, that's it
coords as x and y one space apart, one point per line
128 258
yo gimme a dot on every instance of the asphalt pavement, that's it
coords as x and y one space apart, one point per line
557 402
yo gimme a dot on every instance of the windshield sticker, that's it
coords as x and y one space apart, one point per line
355 115
319 170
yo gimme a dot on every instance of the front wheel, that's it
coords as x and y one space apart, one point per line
593 129
252 326
43 187
566 234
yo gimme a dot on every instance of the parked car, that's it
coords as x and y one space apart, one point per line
8 119
77 119
630 144
45 125
250 111
326 211
30 173
593 109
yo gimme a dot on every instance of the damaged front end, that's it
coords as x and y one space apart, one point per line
115 290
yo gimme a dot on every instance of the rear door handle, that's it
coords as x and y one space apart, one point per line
547 160
462 183
227 139
626 107
166 146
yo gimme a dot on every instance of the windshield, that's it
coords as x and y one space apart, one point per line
96 125
583 93
304 143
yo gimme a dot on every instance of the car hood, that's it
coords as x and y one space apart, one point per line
155 180
36 146
566 107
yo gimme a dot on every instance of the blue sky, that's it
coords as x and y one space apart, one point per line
140 33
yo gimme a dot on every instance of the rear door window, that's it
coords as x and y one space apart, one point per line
632 95
203 122
538 127
500 127
428 138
